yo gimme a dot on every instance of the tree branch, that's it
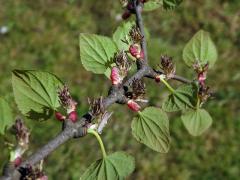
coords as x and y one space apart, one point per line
139 21
79 129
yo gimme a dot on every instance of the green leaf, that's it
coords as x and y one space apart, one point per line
152 5
35 93
171 4
96 52
6 117
200 49
121 34
151 128
196 121
183 98
116 166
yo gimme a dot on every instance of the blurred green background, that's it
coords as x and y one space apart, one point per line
43 35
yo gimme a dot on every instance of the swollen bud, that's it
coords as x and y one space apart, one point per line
135 51
126 15
17 161
73 116
59 116
115 76
133 105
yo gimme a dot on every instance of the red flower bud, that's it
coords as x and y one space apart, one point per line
135 51
133 105
202 77
73 116
115 76
17 161
126 15
59 116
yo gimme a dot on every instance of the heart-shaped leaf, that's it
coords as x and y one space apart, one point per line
196 121
96 52
200 49
116 166
35 93
6 117
151 127
181 99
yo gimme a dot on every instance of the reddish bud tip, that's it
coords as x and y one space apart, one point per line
126 15
73 116
135 51
202 77
158 79
115 76
59 116
133 105
17 161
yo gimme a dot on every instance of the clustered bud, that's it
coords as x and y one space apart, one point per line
119 72
22 134
66 99
201 72
96 106
168 67
29 172
135 48
136 95
138 89
135 34
122 62
68 103
204 93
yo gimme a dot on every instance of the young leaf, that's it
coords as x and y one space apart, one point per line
115 166
196 121
6 117
96 52
152 5
151 128
171 4
200 49
35 93
181 99
121 34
